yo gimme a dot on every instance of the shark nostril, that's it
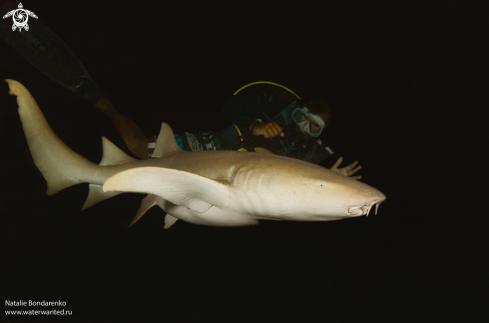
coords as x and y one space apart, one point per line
363 210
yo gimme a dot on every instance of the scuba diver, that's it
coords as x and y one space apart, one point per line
265 116
293 130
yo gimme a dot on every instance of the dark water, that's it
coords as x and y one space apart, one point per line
405 84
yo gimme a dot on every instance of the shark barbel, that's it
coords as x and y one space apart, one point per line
217 188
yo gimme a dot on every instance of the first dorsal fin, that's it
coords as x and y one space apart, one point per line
112 155
165 144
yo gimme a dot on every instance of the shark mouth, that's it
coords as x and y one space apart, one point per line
364 210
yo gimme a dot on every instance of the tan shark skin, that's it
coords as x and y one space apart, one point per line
218 188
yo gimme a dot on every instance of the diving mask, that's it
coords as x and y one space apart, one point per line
305 125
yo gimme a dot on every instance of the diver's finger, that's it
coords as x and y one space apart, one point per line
277 128
272 130
357 177
354 170
338 162
351 165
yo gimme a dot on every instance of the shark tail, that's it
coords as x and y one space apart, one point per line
60 166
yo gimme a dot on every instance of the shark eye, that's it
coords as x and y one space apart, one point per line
320 184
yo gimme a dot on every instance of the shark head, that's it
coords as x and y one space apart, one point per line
306 192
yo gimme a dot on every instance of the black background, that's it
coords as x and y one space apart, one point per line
406 83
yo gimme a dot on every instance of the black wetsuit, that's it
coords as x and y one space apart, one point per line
245 110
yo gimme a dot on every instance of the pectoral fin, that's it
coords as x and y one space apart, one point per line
195 192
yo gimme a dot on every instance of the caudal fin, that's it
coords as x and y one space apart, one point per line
60 166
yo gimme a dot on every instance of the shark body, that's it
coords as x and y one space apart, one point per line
217 188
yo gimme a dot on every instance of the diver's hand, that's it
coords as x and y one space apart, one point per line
267 130
346 171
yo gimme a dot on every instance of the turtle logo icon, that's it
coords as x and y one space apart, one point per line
20 16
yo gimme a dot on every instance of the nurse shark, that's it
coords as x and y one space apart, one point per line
216 188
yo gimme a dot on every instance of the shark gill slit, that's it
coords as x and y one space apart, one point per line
246 181
230 177
259 184
236 175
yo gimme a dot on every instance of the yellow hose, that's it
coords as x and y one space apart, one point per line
266 82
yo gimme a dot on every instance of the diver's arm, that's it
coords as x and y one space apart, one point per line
127 129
